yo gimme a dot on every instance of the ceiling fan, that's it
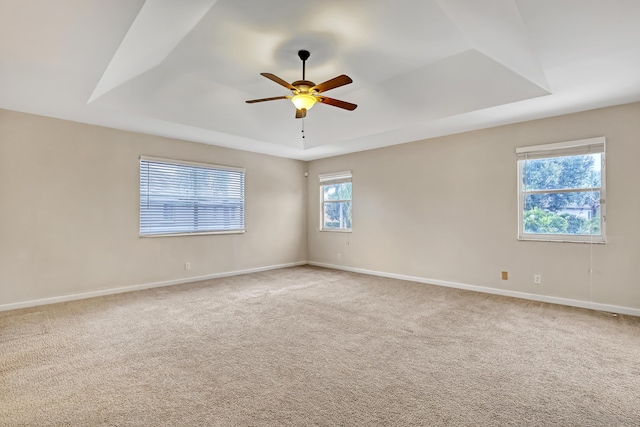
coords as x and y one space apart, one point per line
306 93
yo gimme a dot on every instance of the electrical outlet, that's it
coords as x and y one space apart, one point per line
339 256
537 279
505 275
187 266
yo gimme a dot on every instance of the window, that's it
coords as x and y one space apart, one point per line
335 196
189 198
561 191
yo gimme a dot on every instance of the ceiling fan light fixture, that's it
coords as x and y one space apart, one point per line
304 101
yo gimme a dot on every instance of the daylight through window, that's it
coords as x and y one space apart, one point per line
190 198
335 196
561 191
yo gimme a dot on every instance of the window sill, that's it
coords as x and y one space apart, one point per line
562 239
202 233
344 230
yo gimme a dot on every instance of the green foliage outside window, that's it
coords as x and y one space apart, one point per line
558 211
337 206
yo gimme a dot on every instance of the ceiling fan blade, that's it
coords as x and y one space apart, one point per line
301 113
332 84
337 103
278 80
251 101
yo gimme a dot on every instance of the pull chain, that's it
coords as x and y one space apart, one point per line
302 128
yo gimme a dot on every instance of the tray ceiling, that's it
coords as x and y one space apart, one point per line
183 68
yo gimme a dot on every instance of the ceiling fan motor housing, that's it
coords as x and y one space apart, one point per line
303 86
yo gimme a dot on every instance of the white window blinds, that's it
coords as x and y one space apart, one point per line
569 148
334 178
187 198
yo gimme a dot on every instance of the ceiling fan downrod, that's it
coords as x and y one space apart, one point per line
303 55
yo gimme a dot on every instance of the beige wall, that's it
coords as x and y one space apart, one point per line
441 209
446 209
69 206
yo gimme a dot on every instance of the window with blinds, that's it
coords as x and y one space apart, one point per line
335 201
561 191
178 198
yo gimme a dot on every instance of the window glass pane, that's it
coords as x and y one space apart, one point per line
337 215
340 191
560 173
562 213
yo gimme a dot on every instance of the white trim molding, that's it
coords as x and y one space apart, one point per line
515 294
522 295
113 291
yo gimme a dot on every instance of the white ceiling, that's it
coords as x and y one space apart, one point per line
421 68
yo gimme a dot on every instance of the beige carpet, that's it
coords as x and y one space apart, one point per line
307 346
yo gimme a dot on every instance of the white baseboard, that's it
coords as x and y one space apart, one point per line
92 294
523 295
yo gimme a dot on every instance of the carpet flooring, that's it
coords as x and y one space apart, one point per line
307 346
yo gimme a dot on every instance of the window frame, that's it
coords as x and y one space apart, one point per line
558 150
331 179
184 163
